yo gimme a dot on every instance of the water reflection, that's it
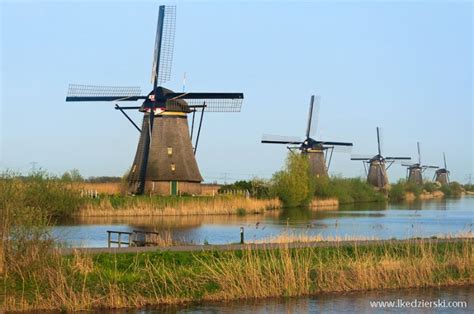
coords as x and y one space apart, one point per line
356 302
383 221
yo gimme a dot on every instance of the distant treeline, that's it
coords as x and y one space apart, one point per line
75 176
295 186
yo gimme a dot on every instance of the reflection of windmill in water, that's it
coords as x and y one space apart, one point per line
318 152
415 171
377 173
442 175
165 153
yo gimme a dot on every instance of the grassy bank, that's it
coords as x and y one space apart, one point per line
347 190
173 206
135 280
404 190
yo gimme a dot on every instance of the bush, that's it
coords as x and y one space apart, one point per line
413 188
397 191
294 185
430 187
72 176
40 191
347 190
454 189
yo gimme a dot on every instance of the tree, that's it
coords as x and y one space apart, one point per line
294 185
72 176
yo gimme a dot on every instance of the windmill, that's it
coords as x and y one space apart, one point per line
415 171
165 158
377 173
318 152
442 175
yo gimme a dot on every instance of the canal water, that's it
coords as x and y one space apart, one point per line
426 300
445 217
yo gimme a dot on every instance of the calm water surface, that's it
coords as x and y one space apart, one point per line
358 302
423 219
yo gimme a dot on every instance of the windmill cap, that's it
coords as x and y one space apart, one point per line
178 105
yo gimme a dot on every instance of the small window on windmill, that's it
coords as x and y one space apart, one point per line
170 151
173 167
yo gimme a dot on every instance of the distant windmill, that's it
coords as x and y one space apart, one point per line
442 174
165 154
377 173
415 171
318 152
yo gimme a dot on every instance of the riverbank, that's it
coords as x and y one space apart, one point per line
86 281
175 206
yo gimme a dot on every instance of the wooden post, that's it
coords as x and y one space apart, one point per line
108 238
241 235
119 239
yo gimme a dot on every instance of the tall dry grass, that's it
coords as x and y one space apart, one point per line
285 272
286 237
155 206
84 281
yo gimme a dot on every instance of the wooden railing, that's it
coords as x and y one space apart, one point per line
135 238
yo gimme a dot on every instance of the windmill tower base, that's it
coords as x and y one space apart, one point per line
317 163
442 178
415 176
377 175
172 188
171 168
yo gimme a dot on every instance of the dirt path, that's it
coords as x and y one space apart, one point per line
259 246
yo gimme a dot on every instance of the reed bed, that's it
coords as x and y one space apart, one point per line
324 204
177 206
306 238
82 281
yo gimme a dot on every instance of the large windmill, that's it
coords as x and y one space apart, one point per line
442 175
164 162
318 152
415 171
377 173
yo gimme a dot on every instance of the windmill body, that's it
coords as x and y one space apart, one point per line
165 161
442 174
415 171
317 152
415 174
377 173
171 165
317 162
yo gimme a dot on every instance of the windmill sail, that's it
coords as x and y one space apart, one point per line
280 139
164 45
213 105
377 173
164 156
313 121
80 92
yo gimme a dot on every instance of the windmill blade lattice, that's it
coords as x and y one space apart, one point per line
80 92
314 120
269 138
212 105
164 45
361 157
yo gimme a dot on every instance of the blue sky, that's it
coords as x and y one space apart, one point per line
405 66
